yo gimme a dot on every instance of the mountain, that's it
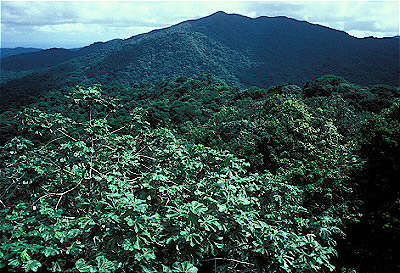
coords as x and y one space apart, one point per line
293 51
5 52
242 51
35 60
49 57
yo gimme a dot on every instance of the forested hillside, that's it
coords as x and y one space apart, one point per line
292 51
242 51
5 52
222 144
195 175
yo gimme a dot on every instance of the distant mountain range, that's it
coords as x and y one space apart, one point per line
5 52
243 51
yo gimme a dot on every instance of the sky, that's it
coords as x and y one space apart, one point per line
72 24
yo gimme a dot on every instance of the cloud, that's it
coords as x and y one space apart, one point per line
74 24
377 17
273 8
361 25
37 13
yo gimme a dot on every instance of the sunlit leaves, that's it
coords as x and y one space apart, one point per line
107 193
31 265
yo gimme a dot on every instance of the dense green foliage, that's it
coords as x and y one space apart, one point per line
242 51
190 174
379 189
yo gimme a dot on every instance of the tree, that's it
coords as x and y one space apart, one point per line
79 194
374 240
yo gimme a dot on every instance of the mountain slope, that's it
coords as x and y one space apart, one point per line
5 52
240 50
293 51
50 57
146 58
36 60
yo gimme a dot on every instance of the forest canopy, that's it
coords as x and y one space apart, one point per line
193 175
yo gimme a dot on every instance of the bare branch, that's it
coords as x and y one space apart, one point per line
97 171
155 242
229 260
58 202
144 147
112 149
61 194
65 134
117 130
49 143
145 156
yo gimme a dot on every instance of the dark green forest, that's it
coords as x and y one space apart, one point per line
128 156
190 174
242 51
6 52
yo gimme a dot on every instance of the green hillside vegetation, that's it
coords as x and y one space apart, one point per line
242 51
292 51
190 174
146 60
5 52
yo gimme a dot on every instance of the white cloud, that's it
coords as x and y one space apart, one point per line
382 16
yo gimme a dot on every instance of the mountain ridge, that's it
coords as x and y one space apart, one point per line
6 51
262 51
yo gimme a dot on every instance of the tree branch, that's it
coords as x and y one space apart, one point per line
229 260
65 134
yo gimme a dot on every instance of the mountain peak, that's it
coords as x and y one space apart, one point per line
221 17
262 51
219 13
